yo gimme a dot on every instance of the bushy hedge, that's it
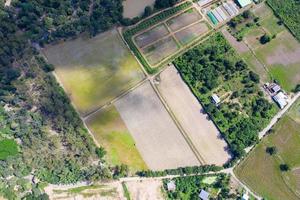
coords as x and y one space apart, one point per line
181 171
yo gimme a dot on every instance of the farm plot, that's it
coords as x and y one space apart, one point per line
110 132
151 36
93 71
146 189
151 43
190 33
188 111
157 138
159 50
281 54
188 17
267 179
134 8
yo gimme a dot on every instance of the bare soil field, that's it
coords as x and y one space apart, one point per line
103 191
157 138
145 190
189 34
160 50
188 111
111 133
134 8
150 36
184 19
95 70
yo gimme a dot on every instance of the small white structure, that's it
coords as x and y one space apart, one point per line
274 88
280 99
215 99
204 2
204 195
245 196
244 3
171 186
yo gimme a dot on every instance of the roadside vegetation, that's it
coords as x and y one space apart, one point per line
189 187
276 161
288 12
214 68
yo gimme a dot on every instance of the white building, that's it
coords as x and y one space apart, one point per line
204 195
245 196
280 99
215 99
171 186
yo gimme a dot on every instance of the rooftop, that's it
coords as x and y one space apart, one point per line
244 3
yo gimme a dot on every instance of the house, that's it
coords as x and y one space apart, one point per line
204 2
245 196
204 195
244 3
215 99
171 186
280 99
274 88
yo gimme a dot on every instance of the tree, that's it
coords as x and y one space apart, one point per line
100 152
297 88
271 150
284 167
246 14
159 4
147 11
254 77
265 39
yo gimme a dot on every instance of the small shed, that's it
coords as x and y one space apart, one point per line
244 3
171 186
215 99
204 195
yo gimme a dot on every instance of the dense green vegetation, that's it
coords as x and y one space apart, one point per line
180 171
128 34
8 147
214 67
54 146
189 187
242 23
165 3
289 12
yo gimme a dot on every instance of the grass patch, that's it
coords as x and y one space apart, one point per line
110 131
126 192
267 179
95 70
8 147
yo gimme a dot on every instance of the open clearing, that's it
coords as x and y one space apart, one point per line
190 33
145 190
188 17
93 71
267 179
282 54
110 132
157 138
188 111
150 36
134 8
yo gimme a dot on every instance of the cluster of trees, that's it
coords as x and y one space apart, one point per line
189 187
181 171
288 12
128 34
52 20
241 23
213 64
53 144
165 3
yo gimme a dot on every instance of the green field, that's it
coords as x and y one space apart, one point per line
8 147
110 132
94 70
281 55
267 179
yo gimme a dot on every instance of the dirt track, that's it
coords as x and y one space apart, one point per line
202 132
159 141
